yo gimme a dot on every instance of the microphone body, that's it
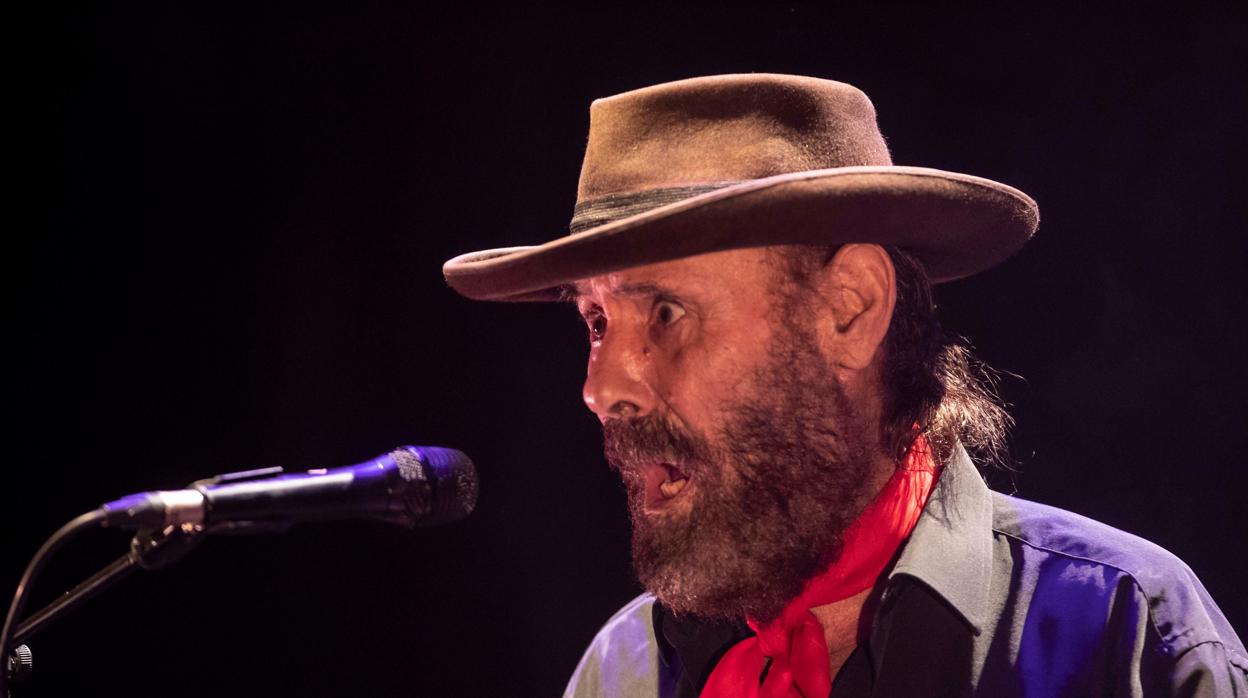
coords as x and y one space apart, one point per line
410 486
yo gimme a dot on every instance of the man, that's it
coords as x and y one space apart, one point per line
792 426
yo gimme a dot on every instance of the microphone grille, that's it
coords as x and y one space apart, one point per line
451 479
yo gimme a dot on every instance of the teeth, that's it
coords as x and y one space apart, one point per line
671 489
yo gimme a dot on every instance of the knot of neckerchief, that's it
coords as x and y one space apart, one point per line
792 648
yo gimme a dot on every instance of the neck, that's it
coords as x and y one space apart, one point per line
846 622
843 626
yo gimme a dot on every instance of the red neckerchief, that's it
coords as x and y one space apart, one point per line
794 642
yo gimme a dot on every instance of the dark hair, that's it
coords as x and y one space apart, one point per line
930 377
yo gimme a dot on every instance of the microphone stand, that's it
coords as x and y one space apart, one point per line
149 550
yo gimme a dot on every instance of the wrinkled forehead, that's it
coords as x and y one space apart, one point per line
618 286
745 272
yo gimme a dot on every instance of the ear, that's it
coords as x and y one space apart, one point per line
859 287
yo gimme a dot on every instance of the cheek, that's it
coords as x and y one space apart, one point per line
698 381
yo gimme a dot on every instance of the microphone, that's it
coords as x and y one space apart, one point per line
410 486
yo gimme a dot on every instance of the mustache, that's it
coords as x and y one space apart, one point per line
629 443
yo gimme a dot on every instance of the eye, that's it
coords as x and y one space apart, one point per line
667 312
597 323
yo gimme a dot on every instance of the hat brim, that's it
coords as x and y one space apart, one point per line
956 224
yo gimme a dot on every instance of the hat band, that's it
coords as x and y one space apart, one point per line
613 207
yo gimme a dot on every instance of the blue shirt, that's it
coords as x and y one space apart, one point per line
991 596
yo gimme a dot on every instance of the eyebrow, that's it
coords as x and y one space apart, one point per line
574 292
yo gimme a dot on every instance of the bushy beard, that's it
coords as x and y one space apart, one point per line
774 489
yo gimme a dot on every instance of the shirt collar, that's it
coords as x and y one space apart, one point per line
950 549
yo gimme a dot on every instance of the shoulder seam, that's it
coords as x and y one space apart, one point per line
1152 623
1232 657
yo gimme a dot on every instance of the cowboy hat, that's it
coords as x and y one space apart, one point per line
733 161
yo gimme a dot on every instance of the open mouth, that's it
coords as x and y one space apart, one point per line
665 482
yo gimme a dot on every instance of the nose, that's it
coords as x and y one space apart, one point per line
617 381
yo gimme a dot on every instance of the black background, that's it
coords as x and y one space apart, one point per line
233 260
